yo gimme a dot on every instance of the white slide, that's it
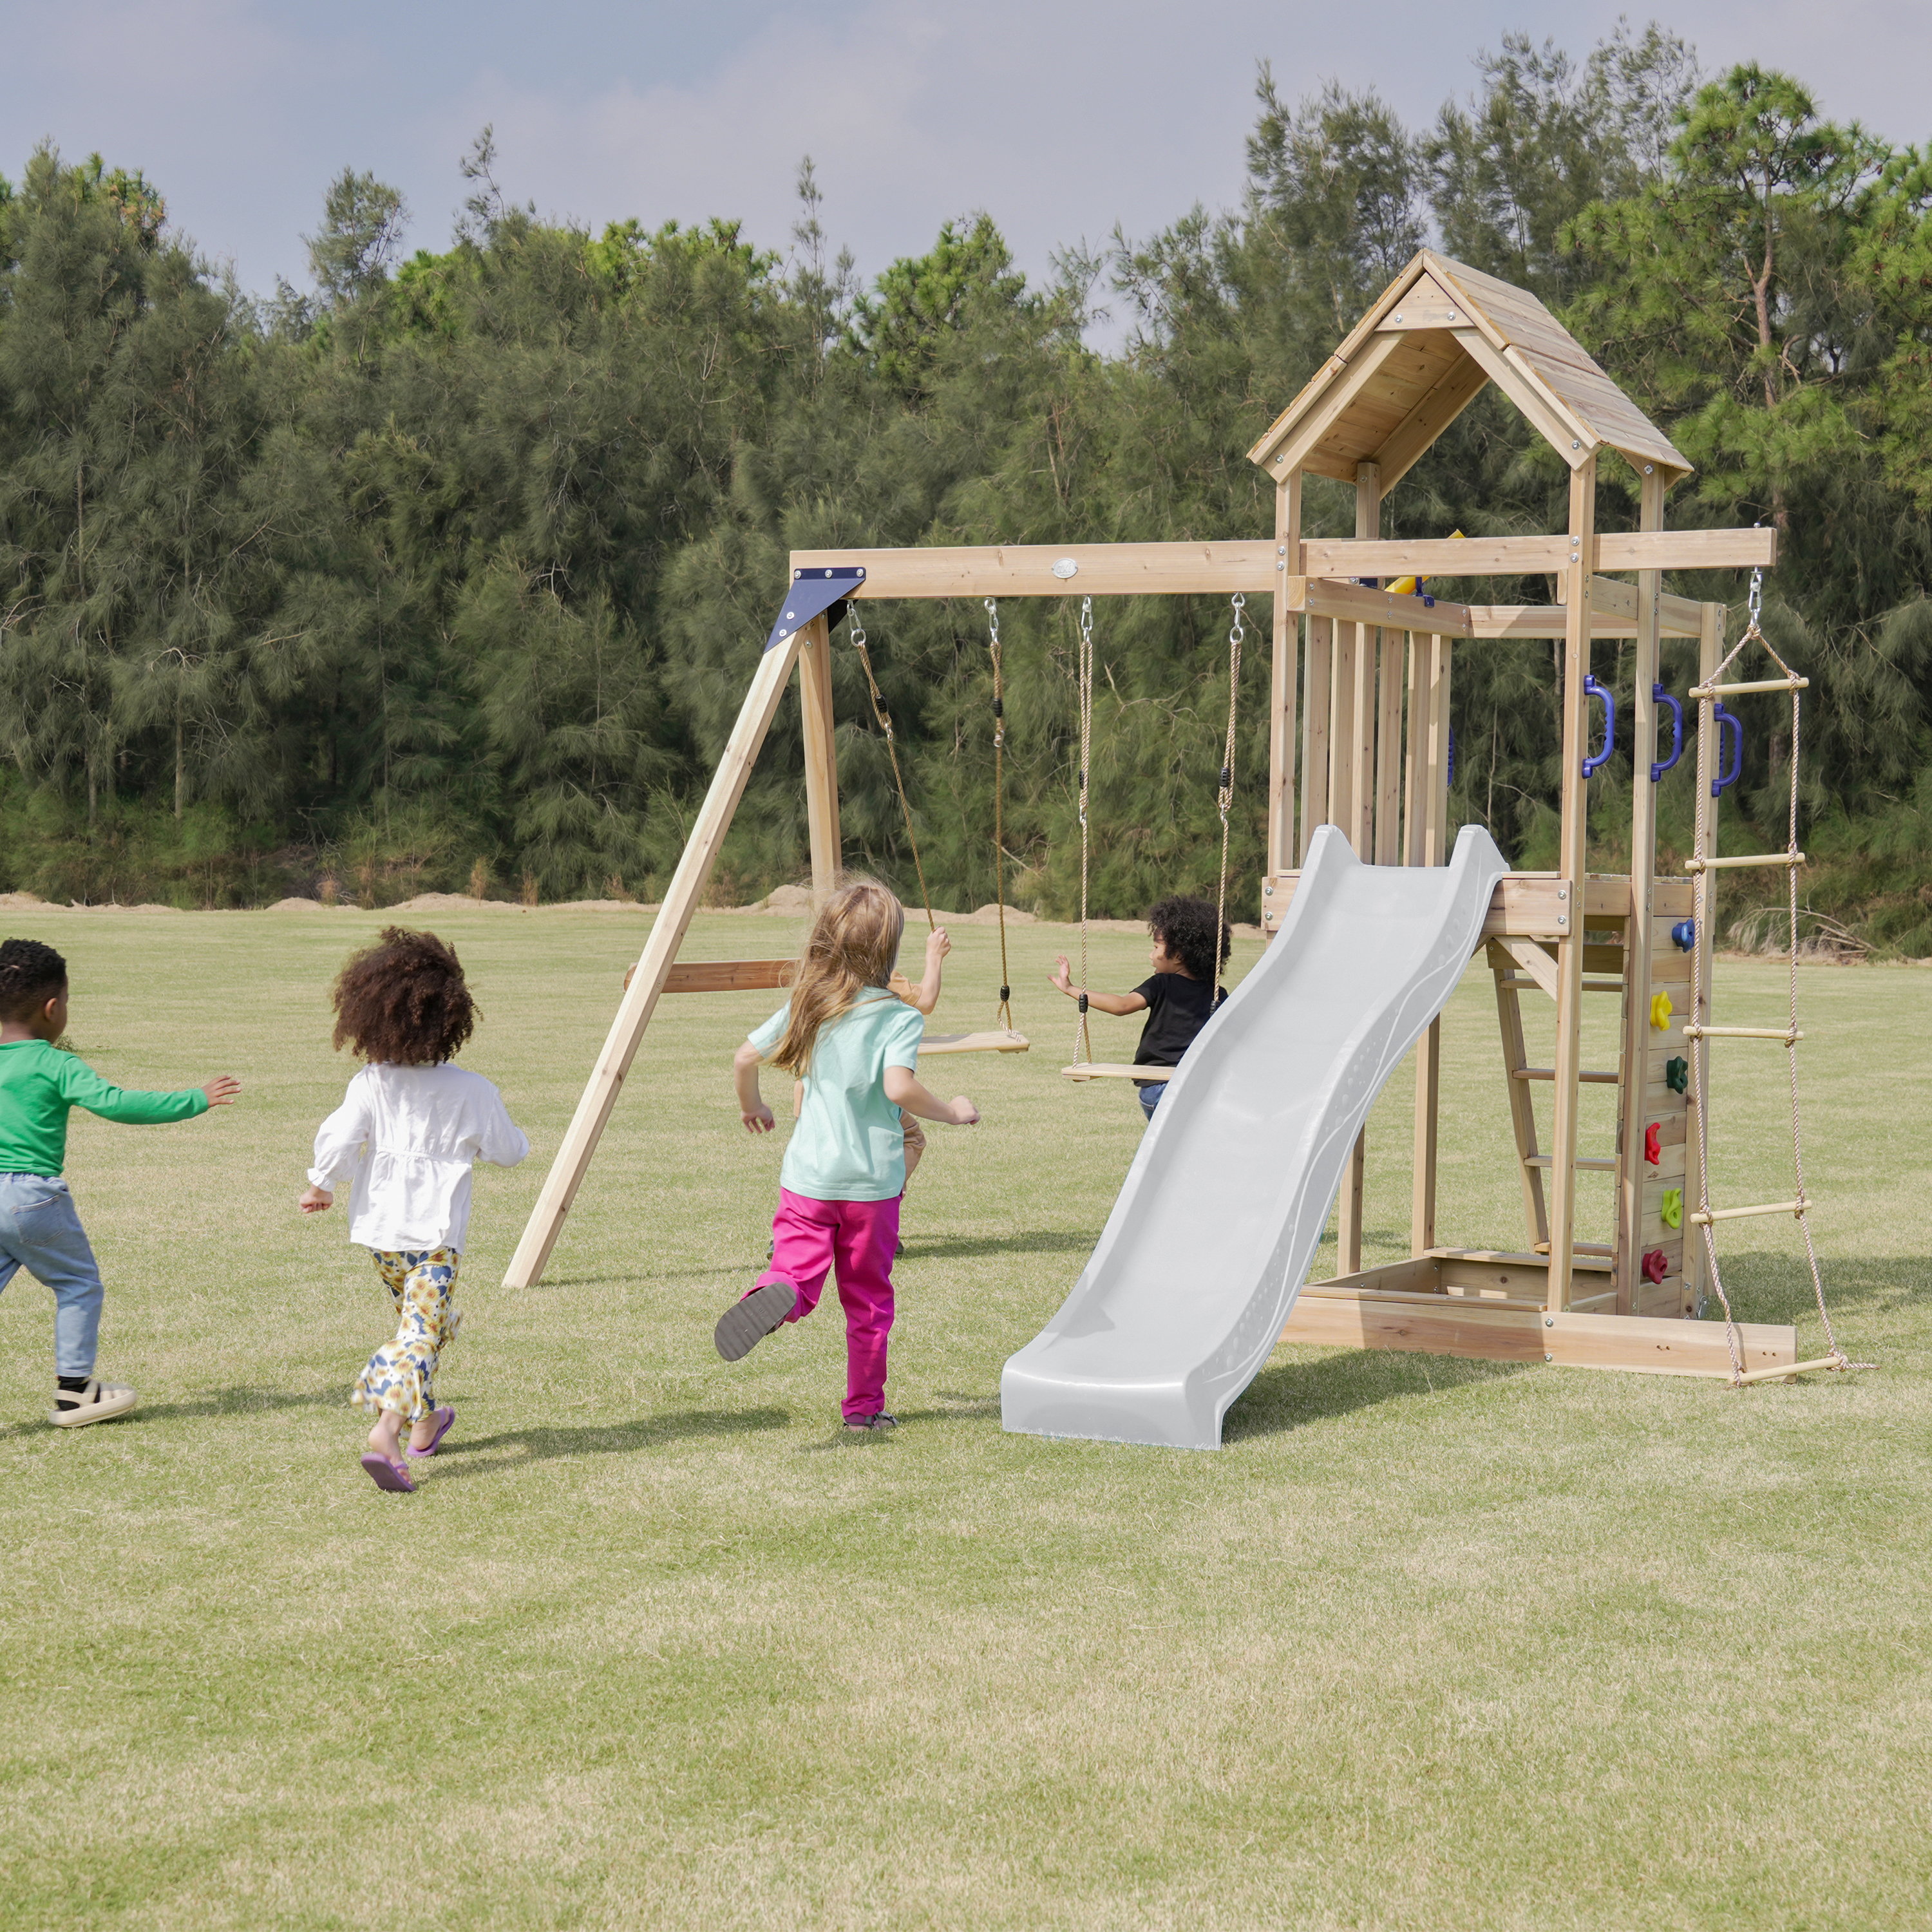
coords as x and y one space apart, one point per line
1192 1280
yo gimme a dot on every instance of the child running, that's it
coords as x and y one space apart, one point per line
855 1047
408 1132
1181 997
39 1084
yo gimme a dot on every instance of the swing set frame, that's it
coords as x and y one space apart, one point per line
1359 711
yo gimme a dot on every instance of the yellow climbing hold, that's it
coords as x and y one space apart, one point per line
1660 1011
1672 1209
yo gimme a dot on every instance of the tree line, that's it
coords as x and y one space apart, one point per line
451 571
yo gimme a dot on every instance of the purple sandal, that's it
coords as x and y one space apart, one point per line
442 1418
386 1474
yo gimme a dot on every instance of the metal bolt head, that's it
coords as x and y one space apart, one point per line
1574 444
1548 1356
1549 1321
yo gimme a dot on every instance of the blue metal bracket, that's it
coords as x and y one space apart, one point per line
813 592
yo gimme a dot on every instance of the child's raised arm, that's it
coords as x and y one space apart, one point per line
1119 1004
757 1117
926 995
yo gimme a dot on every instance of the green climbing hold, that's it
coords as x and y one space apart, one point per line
1672 1211
1677 1075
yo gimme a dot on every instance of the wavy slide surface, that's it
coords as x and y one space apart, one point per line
1192 1281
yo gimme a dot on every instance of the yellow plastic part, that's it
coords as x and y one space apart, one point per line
1672 1208
1660 1010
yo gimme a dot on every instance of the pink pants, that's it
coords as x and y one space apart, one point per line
856 1240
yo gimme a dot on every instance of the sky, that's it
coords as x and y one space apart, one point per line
1060 117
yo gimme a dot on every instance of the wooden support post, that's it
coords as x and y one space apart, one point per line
1639 935
653 967
1356 754
1283 680
1319 672
821 757
1710 650
1388 752
1571 869
1425 824
1342 733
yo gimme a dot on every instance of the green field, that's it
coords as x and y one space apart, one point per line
1430 1643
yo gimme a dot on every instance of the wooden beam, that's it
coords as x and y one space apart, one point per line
1704 887
1026 570
1615 551
1359 827
1344 385
1388 750
821 757
1609 598
1411 440
1358 604
1283 679
1318 668
727 976
654 966
1640 935
1551 620
1424 826
1443 1325
1573 837
1572 439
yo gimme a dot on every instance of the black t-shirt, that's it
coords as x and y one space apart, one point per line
1177 1009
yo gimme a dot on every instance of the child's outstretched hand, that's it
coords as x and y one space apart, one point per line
222 1090
313 1200
758 1120
937 946
964 1114
1063 978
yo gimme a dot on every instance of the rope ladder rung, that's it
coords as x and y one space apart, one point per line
1704 691
1590 1163
1789 1035
1589 1077
1790 1369
1694 866
1704 1220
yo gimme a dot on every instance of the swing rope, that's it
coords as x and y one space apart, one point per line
1004 1012
1699 1045
1224 795
856 630
1083 1050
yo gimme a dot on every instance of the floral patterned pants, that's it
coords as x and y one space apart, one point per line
401 1374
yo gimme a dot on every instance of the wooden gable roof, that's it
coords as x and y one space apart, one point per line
1421 355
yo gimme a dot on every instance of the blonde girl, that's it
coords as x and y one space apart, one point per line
855 1047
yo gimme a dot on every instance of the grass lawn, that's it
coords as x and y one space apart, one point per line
1428 1644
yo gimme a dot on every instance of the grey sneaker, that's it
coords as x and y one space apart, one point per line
745 1324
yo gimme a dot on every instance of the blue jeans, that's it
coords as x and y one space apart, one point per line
40 1231
1150 1096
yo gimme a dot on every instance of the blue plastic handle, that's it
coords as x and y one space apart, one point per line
1736 723
1591 689
1685 934
1660 696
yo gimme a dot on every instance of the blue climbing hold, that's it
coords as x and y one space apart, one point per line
1685 934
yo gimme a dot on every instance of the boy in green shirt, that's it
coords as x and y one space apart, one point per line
39 1228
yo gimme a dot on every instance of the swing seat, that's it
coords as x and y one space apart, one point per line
1110 1070
999 1040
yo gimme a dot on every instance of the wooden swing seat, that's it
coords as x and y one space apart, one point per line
999 1040
1108 1069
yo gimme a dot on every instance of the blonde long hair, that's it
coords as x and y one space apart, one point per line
853 943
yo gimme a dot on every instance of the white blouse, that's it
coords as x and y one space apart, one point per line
404 1140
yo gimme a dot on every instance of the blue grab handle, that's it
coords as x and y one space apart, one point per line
1660 696
1591 689
1736 723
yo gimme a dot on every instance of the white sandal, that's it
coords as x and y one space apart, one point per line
75 1408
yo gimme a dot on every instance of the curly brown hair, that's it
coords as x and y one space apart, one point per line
1185 927
404 1001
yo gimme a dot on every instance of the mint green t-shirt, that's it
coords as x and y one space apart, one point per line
847 1144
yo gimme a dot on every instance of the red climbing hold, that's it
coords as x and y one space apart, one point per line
1656 1265
1653 1139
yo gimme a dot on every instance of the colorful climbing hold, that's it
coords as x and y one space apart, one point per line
1685 934
1656 1265
1660 1010
1677 1074
1653 1142
1672 1209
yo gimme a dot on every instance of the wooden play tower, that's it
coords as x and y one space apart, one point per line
1359 738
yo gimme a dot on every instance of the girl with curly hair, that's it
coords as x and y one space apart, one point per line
409 1132
1191 945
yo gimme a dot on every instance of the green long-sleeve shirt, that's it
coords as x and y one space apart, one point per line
38 1086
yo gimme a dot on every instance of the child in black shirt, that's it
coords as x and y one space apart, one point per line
1179 997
